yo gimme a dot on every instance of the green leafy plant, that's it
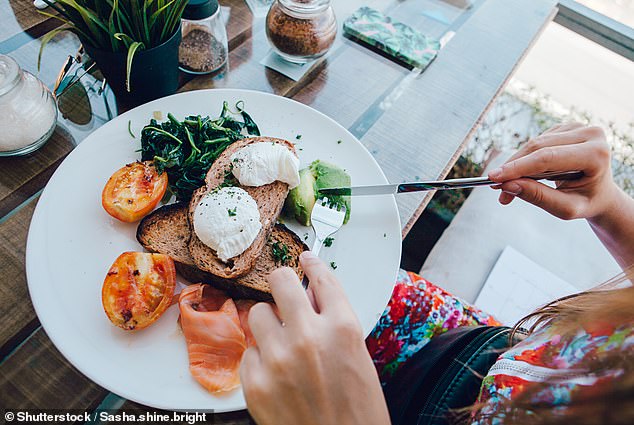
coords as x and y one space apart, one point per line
117 25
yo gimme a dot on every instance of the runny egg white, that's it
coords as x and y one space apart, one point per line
258 164
227 221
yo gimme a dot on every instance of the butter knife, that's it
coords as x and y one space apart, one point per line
387 189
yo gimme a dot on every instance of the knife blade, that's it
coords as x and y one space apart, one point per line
464 183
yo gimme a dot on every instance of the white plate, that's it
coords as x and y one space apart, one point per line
72 243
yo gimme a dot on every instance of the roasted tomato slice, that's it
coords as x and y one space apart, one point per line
138 289
133 191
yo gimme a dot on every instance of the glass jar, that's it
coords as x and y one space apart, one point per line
204 48
28 112
301 30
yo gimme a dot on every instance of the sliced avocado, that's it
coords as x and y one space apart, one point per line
329 175
300 200
318 175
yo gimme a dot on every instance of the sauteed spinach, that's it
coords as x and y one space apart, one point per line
186 149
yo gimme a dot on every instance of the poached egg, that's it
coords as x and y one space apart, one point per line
258 164
227 221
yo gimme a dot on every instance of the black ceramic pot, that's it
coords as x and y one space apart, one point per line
154 71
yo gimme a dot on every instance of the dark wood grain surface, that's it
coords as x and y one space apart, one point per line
414 126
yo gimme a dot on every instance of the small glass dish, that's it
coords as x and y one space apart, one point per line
28 112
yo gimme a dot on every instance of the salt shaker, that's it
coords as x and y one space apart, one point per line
204 48
28 112
301 30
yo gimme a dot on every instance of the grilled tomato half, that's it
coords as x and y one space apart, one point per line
138 289
133 191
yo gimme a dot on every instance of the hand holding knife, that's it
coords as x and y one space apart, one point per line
387 189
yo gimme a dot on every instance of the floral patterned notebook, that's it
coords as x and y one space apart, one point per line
397 40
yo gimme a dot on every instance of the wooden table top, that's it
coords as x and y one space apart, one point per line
414 126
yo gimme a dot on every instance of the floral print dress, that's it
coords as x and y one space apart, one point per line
419 310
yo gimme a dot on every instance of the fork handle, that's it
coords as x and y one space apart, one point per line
317 245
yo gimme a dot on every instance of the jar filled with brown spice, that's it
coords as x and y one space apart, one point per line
301 30
203 49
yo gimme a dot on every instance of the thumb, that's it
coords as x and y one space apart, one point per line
558 203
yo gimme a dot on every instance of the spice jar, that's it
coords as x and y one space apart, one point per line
28 113
301 30
204 47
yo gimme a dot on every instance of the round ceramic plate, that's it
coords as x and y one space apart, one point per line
72 243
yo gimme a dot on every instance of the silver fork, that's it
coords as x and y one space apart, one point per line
327 217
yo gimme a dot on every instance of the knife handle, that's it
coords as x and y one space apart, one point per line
482 181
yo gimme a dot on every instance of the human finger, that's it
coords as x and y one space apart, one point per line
289 295
506 198
263 323
329 295
251 362
311 298
554 158
566 135
565 126
564 205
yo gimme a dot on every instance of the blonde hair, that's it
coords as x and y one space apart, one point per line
609 303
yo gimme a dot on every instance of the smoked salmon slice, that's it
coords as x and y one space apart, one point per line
243 313
214 336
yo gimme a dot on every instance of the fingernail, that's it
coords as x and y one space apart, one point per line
494 174
512 188
307 255
281 275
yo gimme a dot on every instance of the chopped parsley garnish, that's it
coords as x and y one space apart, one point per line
333 265
328 242
305 236
298 137
229 178
232 212
339 141
280 253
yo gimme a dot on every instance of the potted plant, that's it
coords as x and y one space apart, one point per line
134 42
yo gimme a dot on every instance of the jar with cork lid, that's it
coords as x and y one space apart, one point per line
301 30
204 47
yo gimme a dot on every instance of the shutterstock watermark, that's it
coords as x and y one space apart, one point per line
103 416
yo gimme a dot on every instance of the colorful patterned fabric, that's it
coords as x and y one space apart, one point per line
416 313
547 356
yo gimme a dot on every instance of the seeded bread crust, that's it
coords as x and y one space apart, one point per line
167 231
269 198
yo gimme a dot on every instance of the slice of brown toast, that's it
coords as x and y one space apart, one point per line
270 199
167 231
